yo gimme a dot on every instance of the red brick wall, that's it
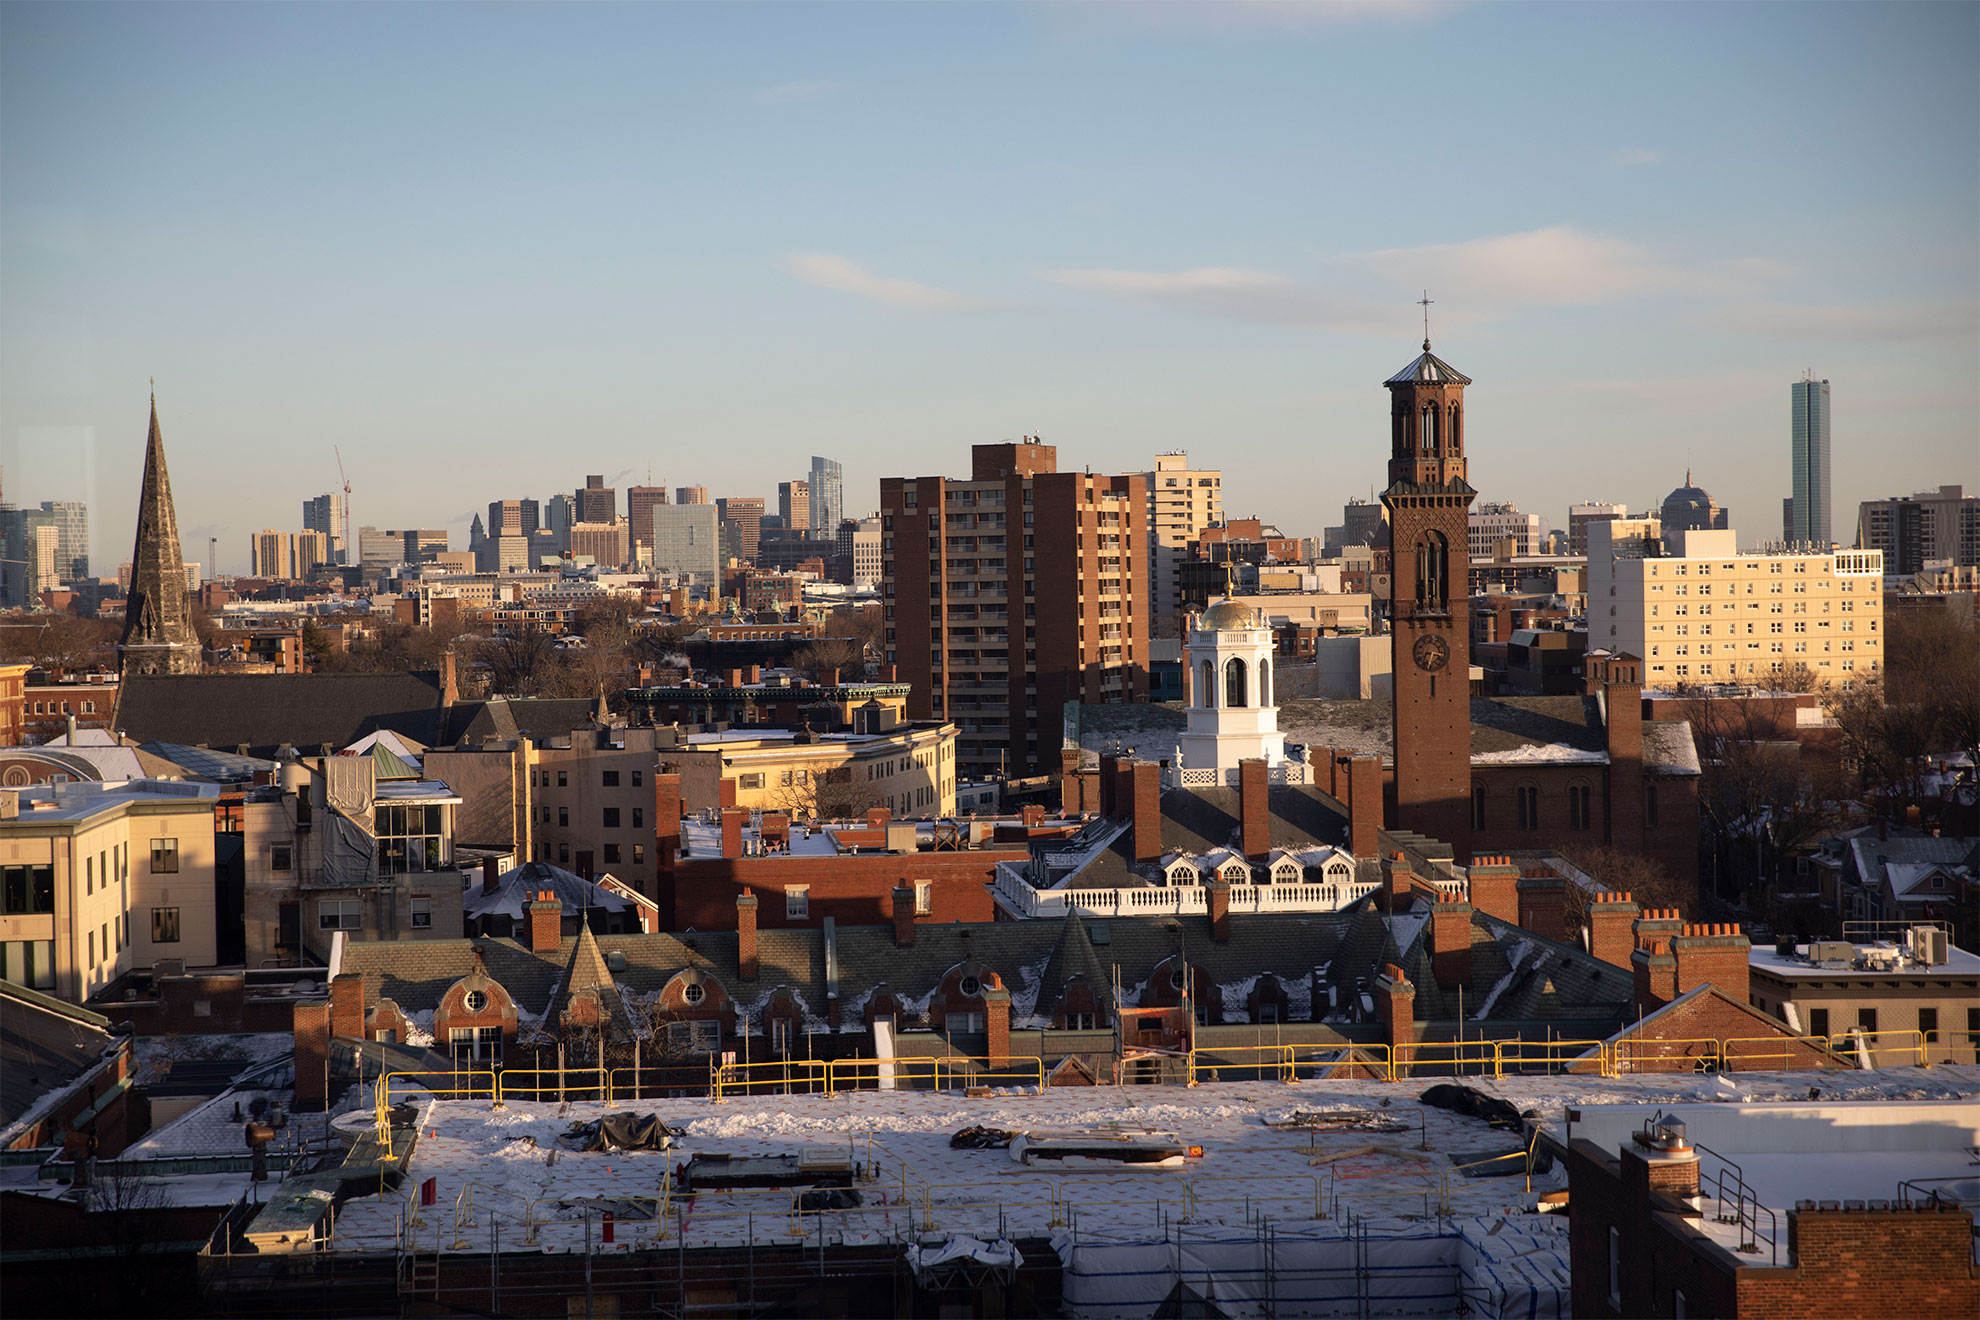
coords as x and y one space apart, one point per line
1254 817
1611 928
1450 943
1543 905
1715 955
745 936
1494 887
1693 1030
1852 1263
311 1053
1145 779
853 891
347 1006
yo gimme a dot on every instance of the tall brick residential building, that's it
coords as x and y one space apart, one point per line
1429 505
1012 593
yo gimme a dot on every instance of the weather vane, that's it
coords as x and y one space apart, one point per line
1424 303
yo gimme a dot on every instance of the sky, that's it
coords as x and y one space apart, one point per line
485 250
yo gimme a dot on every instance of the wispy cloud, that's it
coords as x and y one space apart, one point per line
804 89
1239 17
1235 293
1635 156
829 270
1559 266
1887 321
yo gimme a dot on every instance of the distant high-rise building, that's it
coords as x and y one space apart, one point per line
158 633
1809 516
1012 593
742 524
1182 501
1690 508
1580 515
640 503
1933 526
271 554
511 518
859 542
311 552
605 543
828 496
596 501
794 505
559 512
325 514
691 495
70 519
45 556
1493 523
381 551
687 544
1363 522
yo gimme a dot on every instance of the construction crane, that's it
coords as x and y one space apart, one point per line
347 501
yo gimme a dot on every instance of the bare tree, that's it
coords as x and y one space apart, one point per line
519 661
834 794
1649 884
816 660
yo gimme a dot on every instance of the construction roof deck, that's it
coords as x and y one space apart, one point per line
507 1165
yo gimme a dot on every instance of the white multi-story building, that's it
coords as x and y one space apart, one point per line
1707 612
1493 523
687 544
1182 501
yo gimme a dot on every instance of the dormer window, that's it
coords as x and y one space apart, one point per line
970 987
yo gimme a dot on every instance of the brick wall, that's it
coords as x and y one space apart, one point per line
1685 1035
1714 955
1851 1263
1450 943
1494 887
1254 817
1543 905
853 891
1144 782
1611 928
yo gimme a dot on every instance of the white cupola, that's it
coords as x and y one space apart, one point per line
1232 717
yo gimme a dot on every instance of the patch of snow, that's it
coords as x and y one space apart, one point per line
1237 998
1541 754
1519 951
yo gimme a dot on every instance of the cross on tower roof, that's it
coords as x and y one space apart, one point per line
1424 303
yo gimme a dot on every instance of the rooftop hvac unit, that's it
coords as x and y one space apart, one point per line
1929 945
1827 953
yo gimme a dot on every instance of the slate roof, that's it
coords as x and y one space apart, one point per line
1429 369
44 1045
505 719
586 971
1035 958
1198 820
266 710
1504 730
516 887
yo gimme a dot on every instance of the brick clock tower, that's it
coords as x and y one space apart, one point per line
1429 504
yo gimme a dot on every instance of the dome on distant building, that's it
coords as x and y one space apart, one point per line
1691 508
1227 614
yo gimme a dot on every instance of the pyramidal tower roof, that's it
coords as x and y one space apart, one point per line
1428 369
158 632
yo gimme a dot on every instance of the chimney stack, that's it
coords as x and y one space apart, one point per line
1254 808
1144 788
1543 905
1450 943
1611 919
1217 891
903 917
1364 804
491 874
746 964
546 922
1714 954
1395 1009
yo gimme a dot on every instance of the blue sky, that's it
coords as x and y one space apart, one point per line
489 249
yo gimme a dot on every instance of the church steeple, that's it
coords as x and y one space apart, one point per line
158 632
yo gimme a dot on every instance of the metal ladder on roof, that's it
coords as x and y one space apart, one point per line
419 1276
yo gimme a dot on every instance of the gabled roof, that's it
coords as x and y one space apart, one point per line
265 711
1073 956
45 1044
506 718
587 972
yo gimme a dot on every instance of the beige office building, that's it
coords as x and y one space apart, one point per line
1711 613
1182 501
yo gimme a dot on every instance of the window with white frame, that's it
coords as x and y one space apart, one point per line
339 914
422 912
797 903
924 898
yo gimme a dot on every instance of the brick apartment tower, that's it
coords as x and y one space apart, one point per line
1429 501
1011 594
158 632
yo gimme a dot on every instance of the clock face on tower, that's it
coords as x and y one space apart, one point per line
1431 652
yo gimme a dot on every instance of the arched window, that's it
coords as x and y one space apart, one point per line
1457 430
1528 796
1432 569
1579 817
1234 682
1426 436
1477 806
1264 682
1208 684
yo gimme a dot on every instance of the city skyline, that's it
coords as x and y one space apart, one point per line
810 258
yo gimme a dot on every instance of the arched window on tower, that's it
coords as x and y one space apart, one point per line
1234 682
1432 571
1207 685
1264 682
1426 435
1457 430
1400 425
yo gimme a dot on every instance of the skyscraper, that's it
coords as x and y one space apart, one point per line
742 525
794 505
828 497
1810 514
640 503
687 544
1182 501
158 632
596 501
325 514
691 495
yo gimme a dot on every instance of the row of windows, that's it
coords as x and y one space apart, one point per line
1580 803
606 778
88 708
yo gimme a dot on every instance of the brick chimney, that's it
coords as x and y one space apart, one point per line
1493 883
735 678
546 922
1398 889
746 964
666 819
1109 771
1217 892
1656 974
311 1055
1712 954
1543 905
450 689
1611 918
732 825
1143 787
1254 808
831 678
903 916
1395 1009
997 1024
347 1006
1655 924
1364 804
754 673
1450 943
1069 798
491 874
1622 701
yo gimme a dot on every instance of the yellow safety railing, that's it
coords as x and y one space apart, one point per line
1763 1053
1479 1056
450 1085
776 1077
1311 1194
1142 1192
1631 1054
935 1072
1256 1060
1017 1070
1547 1056
553 1083
1909 1045
990 1198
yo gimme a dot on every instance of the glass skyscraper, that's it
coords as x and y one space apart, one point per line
828 496
1808 519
